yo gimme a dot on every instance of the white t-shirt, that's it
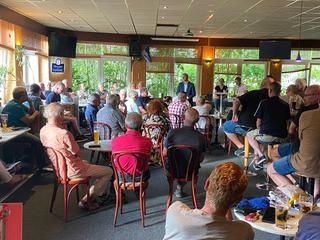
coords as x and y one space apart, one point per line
131 106
240 90
183 223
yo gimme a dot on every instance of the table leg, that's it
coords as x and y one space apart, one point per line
221 110
246 158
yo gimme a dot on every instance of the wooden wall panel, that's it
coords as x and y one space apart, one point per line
138 72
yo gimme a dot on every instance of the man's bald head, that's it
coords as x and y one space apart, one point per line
191 116
19 94
182 96
311 95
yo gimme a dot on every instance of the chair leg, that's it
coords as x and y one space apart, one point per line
194 192
118 193
170 182
141 200
54 194
65 193
77 192
121 200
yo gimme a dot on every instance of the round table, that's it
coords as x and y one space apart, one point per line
105 146
271 228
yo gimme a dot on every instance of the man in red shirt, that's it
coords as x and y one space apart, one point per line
133 141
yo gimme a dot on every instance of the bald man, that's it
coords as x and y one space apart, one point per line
185 136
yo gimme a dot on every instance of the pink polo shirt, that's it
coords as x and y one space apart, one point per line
62 140
132 141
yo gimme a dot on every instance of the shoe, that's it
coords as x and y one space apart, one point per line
239 152
261 159
87 206
81 138
257 166
179 194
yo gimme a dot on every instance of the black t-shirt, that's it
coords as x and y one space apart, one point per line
301 110
250 102
184 136
274 113
219 89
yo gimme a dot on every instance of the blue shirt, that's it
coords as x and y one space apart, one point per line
142 102
53 97
36 101
15 112
91 114
309 227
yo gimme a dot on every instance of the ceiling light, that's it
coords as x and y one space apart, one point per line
165 7
175 39
59 11
200 31
210 11
246 20
162 17
298 58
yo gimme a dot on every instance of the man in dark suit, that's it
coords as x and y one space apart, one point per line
187 87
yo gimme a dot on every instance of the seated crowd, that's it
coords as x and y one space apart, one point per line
260 115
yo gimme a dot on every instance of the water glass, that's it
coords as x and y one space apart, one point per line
305 203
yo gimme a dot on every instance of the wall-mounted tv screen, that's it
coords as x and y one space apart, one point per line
62 45
274 50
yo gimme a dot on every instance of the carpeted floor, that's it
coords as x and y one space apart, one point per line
39 224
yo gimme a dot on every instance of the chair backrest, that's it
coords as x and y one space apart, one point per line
120 174
59 167
182 162
155 132
176 120
105 131
204 124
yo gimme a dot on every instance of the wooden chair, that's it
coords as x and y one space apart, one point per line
121 184
206 130
148 130
105 133
61 178
176 121
183 157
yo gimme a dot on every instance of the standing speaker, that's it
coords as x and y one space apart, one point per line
134 47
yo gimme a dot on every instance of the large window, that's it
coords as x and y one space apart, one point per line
227 71
101 49
315 74
158 84
30 69
290 72
236 53
252 74
116 70
190 69
85 71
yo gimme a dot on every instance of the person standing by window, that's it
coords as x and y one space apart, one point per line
188 87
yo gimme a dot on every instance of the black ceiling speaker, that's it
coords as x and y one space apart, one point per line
134 47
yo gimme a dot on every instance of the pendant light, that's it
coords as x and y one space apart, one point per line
298 59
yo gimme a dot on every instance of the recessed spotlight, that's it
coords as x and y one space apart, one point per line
162 17
200 31
165 7
251 32
246 20
71 20
59 11
210 11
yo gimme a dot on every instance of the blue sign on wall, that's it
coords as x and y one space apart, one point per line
57 68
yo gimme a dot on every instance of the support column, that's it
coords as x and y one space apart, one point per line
206 74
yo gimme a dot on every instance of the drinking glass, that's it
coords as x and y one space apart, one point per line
305 203
96 136
281 215
4 120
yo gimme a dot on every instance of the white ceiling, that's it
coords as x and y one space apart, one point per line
205 18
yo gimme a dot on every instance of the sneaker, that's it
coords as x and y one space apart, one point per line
239 152
81 138
257 166
261 159
179 193
85 205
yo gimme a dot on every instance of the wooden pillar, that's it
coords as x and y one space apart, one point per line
275 70
206 74
66 74
138 72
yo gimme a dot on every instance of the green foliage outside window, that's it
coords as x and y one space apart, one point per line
115 71
101 49
236 53
85 71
